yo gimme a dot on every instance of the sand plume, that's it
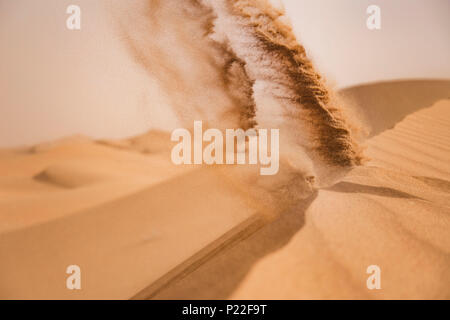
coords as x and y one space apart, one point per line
256 75
287 91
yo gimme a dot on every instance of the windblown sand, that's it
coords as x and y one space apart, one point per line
141 227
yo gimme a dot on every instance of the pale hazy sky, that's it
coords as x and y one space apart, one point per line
101 93
413 42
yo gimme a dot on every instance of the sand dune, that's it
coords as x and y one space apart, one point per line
419 145
382 105
377 215
393 212
140 227
122 245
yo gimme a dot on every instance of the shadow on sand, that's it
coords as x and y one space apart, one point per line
220 276
350 187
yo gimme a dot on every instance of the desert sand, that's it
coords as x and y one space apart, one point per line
140 227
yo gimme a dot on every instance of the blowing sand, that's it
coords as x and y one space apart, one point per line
140 227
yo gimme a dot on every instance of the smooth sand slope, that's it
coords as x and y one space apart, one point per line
394 213
141 227
381 105
125 218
